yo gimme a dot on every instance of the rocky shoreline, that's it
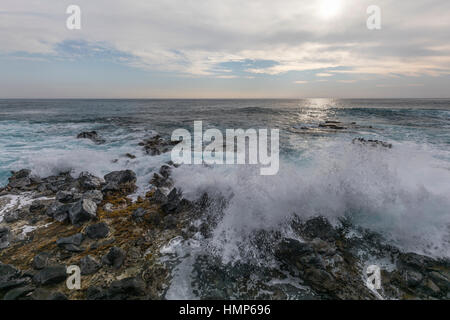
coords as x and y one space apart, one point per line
48 224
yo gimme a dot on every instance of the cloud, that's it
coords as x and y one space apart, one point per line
194 37
300 82
323 74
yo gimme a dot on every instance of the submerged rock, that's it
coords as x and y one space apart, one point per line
372 143
156 145
91 135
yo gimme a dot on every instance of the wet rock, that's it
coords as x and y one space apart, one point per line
40 261
50 275
320 279
9 277
11 216
130 156
317 227
372 143
20 179
413 278
120 180
173 203
37 206
59 211
82 211
17 293
440 280
156 145
5 237
71 243
170 222
67 196
294 253
115 257
97 231
89 265
126 288
88 181
335 125
91 135
96 293
94 195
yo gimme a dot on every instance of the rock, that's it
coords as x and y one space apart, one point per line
88 181
432 287
37 206
138 214
59 211
94 195
440 280
413 278
121 177
16 293
126 288
20 179
159 197
156 145
115 257
9 277
67 196
89 265
11 216
321 280
5 237
291 252
108 207
372 143
71 243
91 135
173 202
96 293
317 227
57 296
170 222
413 261
40 261
45 294
118 180
82 211
130 156
97 231
333 126
50 275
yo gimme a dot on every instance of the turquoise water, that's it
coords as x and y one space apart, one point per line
403 192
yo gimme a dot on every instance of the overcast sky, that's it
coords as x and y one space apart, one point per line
224 49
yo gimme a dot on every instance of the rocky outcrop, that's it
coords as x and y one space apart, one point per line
372 143
91 135
156 145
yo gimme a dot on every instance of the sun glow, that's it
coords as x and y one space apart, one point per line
329 8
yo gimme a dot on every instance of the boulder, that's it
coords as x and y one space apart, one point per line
126 288
120 180
97 231
82 211
40 261
88 181
138 214
89 265
94 195
11 216
20 179
17 293
115 257
71 243
59 211
50 275
96 293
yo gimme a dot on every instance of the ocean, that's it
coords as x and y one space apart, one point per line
402 193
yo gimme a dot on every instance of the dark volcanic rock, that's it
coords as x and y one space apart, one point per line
40 261
8 276
20 179
82 211
317 227
91 135
50 275
372 143
11 216
94 195
156 145
120 180
16 293
5 237
115 257
59 211
89 265
126 288
97 231
71 243
88 181
96 293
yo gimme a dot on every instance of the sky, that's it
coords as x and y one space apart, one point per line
225 49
